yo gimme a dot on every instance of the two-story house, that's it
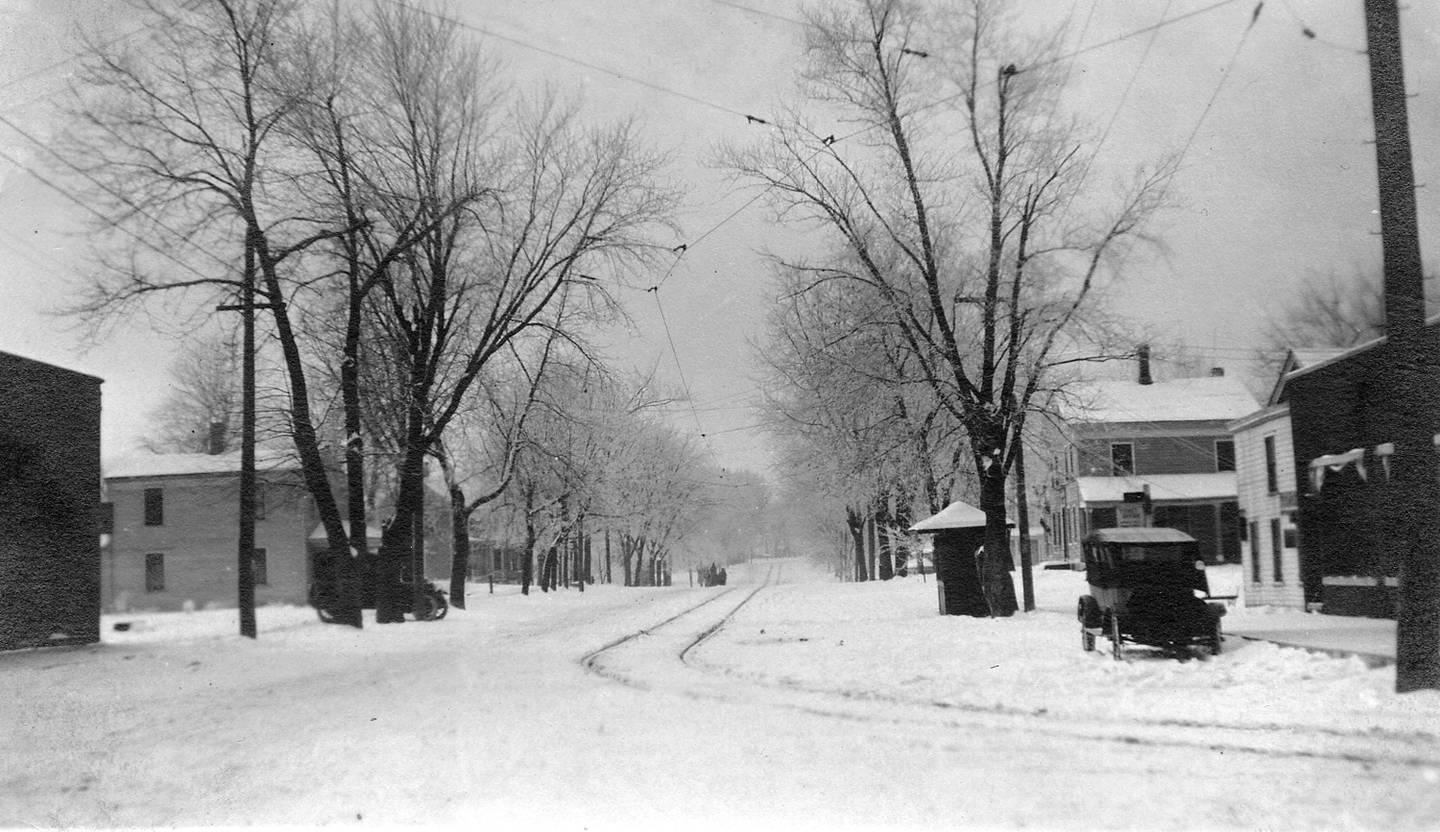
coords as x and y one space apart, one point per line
49 505
175 538
1269 501
1150 453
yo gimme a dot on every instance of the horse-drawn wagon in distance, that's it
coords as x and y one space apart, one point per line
1143 584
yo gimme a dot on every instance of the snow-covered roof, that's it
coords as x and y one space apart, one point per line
1303 359
1211 398
1308 356
1212 486
957 515
172 465
1260 417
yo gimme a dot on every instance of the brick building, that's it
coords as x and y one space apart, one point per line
176 531
49 505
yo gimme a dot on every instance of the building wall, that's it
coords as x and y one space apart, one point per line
1335 408
198 541
1191 452
49 500
1180 447
1263 509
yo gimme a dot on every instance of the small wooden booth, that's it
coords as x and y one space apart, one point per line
959 531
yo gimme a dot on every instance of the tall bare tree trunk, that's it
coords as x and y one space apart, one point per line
527 565
855 522
1022 519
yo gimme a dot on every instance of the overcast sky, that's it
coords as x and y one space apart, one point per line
1278 185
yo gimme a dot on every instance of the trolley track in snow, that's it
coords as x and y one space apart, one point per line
666 656
592 661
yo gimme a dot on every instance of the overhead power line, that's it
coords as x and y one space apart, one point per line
752 10
154 247
615 73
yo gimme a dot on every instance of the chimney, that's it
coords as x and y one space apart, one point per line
1143 353
1217 372
216 440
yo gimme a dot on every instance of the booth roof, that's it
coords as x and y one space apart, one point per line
957 515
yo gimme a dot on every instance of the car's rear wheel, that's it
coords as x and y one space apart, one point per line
1087 639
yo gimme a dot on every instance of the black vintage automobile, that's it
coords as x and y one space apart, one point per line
432 604
1143 584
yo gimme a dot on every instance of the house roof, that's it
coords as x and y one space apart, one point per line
957 515
1212 486
1303 360
1306 358
24 363
172 465
1269 413
1210 398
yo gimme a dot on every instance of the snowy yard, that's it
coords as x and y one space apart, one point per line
780 701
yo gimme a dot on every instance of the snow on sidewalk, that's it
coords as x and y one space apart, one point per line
1370 639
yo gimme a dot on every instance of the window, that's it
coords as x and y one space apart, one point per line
154 506
260 502
1224 455
1276 544
1122 458
1102 518
1255 551
1272 474
1232 529
257 568
154 573
1292 538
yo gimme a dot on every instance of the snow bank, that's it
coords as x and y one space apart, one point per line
884 639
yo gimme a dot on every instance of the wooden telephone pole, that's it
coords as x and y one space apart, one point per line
245 556
1413 383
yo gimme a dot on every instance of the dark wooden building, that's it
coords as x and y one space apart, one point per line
1340 417
49 505
959 531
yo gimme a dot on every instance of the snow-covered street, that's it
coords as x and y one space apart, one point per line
780 701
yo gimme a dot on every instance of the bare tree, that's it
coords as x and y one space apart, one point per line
571 199
177 137
845 394
982 251
202 406
1327 310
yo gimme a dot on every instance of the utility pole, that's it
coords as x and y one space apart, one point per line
245 556
1412 377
